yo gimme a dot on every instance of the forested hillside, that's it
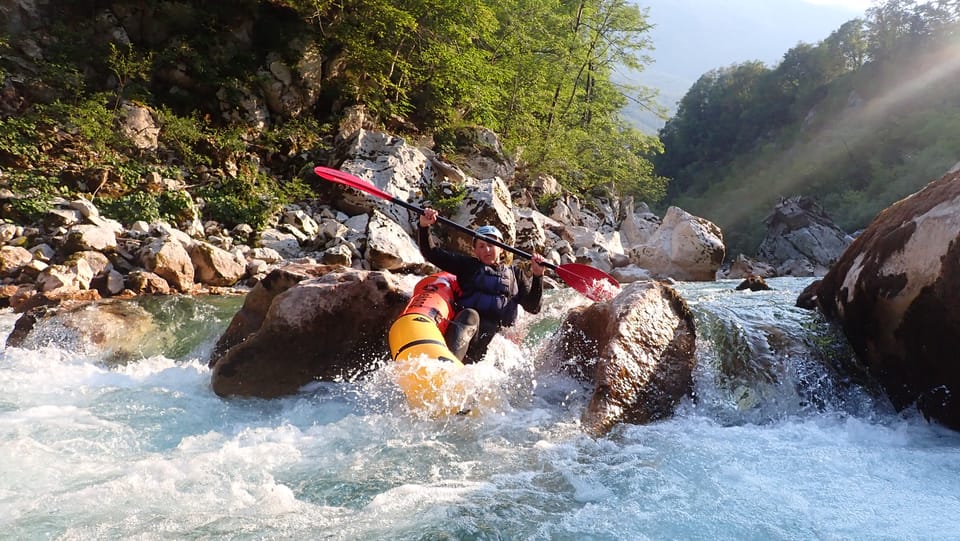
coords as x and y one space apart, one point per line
246 94
859 120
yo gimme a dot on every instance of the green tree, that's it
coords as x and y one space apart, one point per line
848 45
731 151
560 97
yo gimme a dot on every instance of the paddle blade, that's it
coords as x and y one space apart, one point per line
595 284
347 179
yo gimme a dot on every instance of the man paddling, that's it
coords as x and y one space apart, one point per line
492 291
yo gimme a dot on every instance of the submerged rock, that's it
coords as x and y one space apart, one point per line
116 330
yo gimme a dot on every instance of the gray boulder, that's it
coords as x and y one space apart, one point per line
801 239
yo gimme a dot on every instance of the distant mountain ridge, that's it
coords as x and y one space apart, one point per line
692 37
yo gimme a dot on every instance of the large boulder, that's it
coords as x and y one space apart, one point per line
639 351
638 225
331 327
139 126
215 266
479 150
391 165
684 247
488 201
896 294
801 239
389 247
168 259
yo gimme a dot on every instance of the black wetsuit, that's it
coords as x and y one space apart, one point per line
475 280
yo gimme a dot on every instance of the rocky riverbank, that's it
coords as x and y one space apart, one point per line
77 253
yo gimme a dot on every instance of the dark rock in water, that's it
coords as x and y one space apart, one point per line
808 297
896 294
257 303
638 349
299 328
753 283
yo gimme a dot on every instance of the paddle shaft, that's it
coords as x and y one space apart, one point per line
583 278
471 232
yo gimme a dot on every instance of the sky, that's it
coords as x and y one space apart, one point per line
692 37
854 6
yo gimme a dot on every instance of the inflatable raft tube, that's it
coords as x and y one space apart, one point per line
424 363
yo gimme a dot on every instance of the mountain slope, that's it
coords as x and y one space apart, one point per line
692 37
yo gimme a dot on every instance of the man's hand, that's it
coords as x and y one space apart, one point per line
428 218
536 265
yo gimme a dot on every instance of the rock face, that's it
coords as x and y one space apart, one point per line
638 349
684 247
896 294
327 328
801 240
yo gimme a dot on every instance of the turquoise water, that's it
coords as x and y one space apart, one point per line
775 446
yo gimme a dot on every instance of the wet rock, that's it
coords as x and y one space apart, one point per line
329 328
896 294
807 298
114 330
753 283
638 349
257 302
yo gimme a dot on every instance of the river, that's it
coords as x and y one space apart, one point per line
145 450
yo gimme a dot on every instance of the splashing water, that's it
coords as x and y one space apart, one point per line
775 445
602 290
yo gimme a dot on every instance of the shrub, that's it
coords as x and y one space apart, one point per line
132 207
234 201
447 198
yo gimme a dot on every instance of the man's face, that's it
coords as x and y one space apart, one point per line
486 252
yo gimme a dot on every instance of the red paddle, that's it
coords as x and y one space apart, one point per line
594 283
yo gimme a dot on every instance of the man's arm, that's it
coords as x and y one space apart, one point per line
531 291
458 264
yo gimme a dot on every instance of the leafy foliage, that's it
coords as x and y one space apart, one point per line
129 67
537 73
859 120
132 207
447 198
240 200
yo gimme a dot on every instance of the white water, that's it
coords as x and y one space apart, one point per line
147 451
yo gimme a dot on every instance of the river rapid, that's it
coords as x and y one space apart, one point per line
145 450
